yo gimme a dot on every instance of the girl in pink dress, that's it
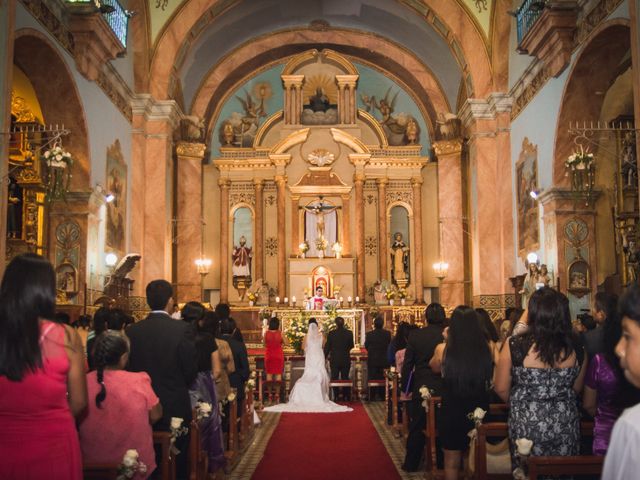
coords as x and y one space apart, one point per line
122 406
42 377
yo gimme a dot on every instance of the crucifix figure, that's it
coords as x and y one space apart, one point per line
325 224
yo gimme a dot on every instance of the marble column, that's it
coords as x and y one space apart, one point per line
359 187
154 124
342 103
418 251
346 225
347 95
7 27
295 224
451 214
258 249
281 184
383 239
292 98
188 232
225 185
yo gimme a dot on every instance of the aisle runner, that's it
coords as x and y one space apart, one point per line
326 445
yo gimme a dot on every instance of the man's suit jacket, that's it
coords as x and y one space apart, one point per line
165 349
241 360
377 342
339 344
593 341
420 346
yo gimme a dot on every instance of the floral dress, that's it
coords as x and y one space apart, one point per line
543 406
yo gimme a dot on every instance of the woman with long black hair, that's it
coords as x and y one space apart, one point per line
42 377
466 363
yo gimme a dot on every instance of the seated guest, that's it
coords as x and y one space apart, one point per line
240 360
122 407
376 343
489 330
466 363
165 349
398 345
206 347
606 392
211 324
622 460
106 319
593 339
421 344
539 374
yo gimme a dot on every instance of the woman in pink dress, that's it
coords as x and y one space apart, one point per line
273 356
42 377
122 407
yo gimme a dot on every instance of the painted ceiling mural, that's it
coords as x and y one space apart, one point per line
250 104
161 12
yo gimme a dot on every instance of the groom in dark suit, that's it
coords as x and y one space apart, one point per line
337 350
165 349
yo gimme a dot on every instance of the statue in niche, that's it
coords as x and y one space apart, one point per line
241 256
529 285
629 167
544 279
319 102
14 212
632 255
400 261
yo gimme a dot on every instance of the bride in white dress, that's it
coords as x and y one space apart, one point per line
311 391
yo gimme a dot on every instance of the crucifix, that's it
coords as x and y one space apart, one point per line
320 209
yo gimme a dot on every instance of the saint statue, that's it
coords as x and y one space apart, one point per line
399 260
319 102
544 278
529 285
241 259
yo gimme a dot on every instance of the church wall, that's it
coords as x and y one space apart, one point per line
429 225
211 213
105 123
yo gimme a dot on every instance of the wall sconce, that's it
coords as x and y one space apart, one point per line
535 194
110 260
441 269
203 265
109 197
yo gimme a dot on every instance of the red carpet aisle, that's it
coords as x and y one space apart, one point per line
326 445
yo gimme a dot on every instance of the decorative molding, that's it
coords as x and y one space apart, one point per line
495 305
447 147
530 90
116 89
189 149
271 246
242 193
355 144
371 199
487 109
156 110
41 11
594 18
371 245
399 196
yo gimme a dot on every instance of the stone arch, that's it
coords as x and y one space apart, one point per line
58 95
175 35
593 71
247 58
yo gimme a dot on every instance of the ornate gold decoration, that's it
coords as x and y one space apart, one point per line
355 144
399 196
21 110
447 147
271 246
190 149
371 245
299 136
321 157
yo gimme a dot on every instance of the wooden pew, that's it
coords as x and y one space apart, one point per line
100 471
431 433
168 461
246 421
232 437
198 458
574 465
492 429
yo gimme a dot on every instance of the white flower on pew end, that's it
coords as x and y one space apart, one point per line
176 423
130 458
524 446
425 393
477 415
252 374
231 397
203 410
130 465
392 369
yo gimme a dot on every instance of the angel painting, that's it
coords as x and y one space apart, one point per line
448 126
400 128
240 128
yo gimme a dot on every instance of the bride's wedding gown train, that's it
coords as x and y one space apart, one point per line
311 392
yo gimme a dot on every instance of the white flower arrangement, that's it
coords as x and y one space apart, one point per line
477 415
250 385
231 397
296 332
56 157
203 410
425 393
524 446
130 465
176 430
523 450
579 160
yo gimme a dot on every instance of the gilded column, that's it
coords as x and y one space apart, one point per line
346 224
258 257
382 229
292 98
295 224
359 187
450 208
224 239
281 183
189 219
416 182
342 104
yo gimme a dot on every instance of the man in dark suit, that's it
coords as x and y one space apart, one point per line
416 373
337 350
238 378
604 304
165 349
376 343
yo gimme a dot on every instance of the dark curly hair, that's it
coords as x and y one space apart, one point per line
109 348
550 326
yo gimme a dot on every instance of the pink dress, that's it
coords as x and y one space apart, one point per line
122 422
274 356
39 438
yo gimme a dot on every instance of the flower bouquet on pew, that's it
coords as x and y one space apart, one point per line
177 430
130 465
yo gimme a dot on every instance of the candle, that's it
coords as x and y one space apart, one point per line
277 299
341 299
286 300
293 299
357 299
349 299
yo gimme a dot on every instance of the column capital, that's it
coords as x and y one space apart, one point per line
190 149
156 110
347 80
485 109
224 182
416 182
292 80
258 183
382 182
448 147
281 180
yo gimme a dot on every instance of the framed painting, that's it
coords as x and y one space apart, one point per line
528 208
116 185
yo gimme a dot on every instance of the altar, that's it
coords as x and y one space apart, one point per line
336 275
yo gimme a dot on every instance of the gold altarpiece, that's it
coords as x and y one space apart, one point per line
346 168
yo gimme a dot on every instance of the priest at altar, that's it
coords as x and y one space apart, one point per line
317 301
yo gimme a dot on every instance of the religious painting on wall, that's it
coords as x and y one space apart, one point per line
116 185
528 208
320 95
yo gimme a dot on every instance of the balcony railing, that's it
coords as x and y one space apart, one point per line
113 13
527 14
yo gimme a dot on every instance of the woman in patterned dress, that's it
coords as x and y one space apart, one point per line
540 375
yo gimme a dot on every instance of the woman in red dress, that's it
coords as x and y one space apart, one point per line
274 356
42 377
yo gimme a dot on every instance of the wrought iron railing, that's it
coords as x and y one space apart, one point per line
527 14
114 14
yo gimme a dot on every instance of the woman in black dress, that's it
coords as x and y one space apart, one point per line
467 368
